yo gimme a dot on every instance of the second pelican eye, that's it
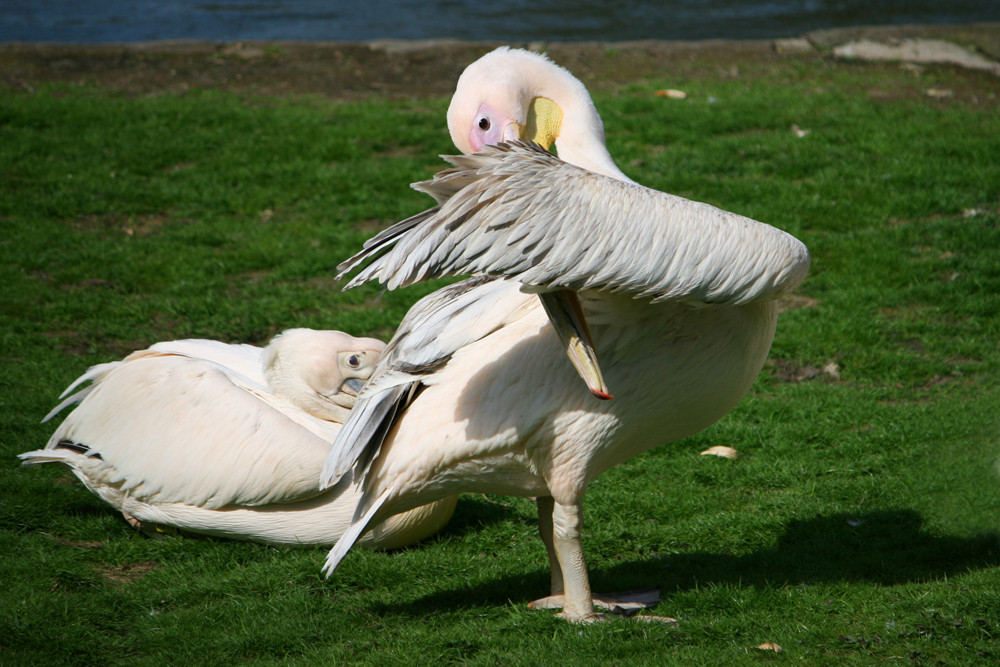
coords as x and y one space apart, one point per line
354 361
484 123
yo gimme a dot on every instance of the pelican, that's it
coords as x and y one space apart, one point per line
226 440
665 303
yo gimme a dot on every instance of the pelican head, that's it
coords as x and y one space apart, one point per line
321 372
515 94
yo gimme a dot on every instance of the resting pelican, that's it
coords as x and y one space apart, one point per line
227 440
669 303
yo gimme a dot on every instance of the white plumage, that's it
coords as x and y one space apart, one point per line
673 300
226 440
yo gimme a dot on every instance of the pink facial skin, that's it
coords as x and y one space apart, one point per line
490 128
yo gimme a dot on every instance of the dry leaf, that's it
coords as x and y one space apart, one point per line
799 132
833 370
721 450
939 93
771 646
672 93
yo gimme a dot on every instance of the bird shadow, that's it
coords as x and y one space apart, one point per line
887 547
474 513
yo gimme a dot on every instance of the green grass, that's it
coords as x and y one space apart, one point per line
859 526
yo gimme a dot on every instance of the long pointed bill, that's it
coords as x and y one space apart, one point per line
346 395
544 121
566 316
353 386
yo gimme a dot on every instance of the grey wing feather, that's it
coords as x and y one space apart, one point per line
517 211
353 532
432 331
363 433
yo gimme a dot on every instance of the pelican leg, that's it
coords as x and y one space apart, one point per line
560 527
153 530
545 505
134 522
563 553
567 527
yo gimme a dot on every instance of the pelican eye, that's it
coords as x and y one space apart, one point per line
484 123
354 361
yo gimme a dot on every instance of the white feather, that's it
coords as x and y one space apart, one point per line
216 438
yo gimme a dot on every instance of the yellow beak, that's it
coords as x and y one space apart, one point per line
566 316
543 123
563 307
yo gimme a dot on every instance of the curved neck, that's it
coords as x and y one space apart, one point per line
588 154
581 140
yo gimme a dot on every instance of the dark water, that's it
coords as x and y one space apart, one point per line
93 21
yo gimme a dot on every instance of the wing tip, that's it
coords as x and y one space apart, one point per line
39 456
351 535
336 555
331 475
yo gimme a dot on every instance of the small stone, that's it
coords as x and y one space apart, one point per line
792 45
939 93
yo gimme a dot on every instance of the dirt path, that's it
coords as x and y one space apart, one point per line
418 69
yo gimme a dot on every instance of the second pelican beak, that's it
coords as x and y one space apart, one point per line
353 386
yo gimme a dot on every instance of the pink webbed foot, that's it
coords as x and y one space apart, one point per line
627 604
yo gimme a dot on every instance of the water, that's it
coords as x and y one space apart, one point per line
95 21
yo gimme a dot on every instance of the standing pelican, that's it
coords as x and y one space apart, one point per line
226 440
668 303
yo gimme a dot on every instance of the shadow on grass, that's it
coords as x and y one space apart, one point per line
475 513
885 547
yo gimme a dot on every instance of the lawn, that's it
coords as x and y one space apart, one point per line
859 526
